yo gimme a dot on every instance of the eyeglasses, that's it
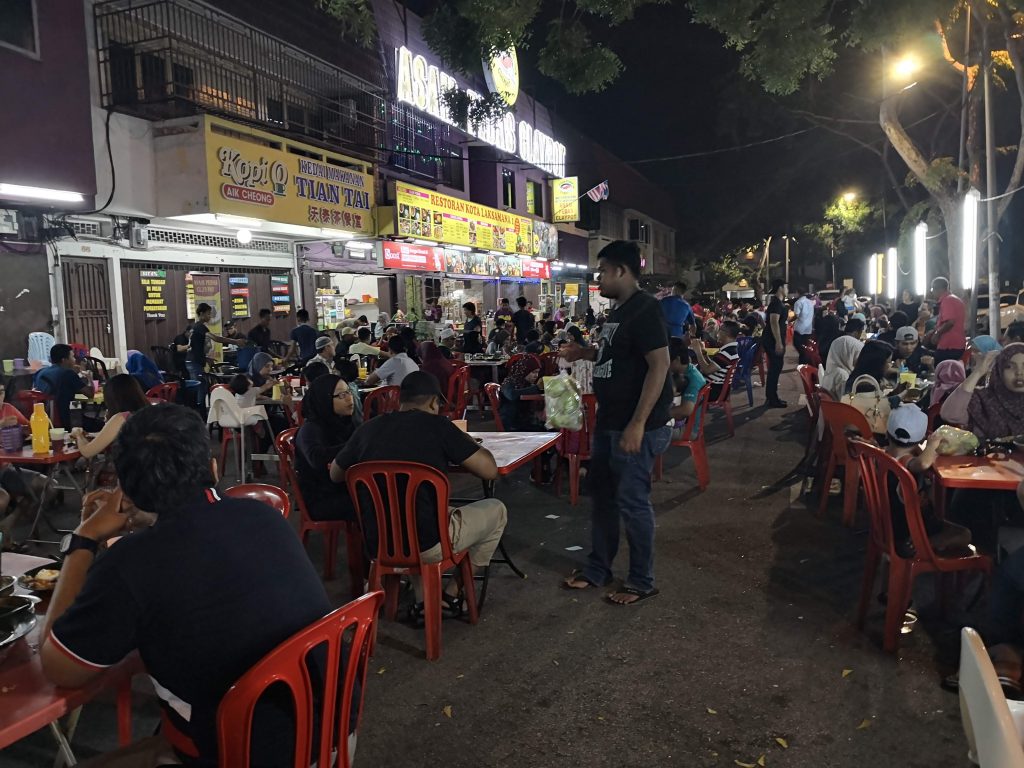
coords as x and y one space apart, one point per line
340 395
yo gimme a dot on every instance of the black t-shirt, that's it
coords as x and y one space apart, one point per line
181 340
524 322
775 307
197 343
203 595
315 449
632 330
305 337
472 324
408 436
260 336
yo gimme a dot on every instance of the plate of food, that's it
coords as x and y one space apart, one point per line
41 579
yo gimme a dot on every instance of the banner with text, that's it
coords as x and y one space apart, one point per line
154 284
565 199
238 287
281 294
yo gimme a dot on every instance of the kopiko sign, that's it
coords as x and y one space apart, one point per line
254 174
422 85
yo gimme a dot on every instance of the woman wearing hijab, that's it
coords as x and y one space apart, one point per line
874 361
981 346
327 425
998 409
827 329
259 374
523 379
842 359
436 363
949 374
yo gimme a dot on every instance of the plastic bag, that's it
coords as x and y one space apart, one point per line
563 403
956 441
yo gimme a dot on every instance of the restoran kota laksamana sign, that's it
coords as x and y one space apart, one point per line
422 85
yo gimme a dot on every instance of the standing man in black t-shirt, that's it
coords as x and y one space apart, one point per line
197 349
774 342
634 394
203 593
523 320
259 334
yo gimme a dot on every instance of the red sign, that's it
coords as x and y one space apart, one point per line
246 195
419 258
536 268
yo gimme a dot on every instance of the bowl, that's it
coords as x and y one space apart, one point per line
15 609
7 585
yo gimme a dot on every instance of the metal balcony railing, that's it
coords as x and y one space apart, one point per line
160 59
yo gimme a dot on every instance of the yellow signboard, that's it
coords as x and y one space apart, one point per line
433 216
251 173
565 199
571 289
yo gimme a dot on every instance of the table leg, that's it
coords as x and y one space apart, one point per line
34 530
65 756
505 557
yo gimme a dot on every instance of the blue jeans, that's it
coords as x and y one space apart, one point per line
621 488
198 371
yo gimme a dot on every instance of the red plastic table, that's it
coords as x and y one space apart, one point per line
51 464
28 701
986 473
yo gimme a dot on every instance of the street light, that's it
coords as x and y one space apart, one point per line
873 274
849 197
921 259
892 272
905 67
970 248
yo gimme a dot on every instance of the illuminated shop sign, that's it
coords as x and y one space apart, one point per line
422 85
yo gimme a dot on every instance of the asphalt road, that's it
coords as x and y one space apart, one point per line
749 651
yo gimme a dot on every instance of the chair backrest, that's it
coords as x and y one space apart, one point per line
693 429
519 356
97 367
342 641
585 434
842 419
39 346
988 723
270 495
26 400
390 490
164 359
934 416
808 378
458 392
167 392
746 347
726 392
380 401
549 364
225 410
812 353
285 443
493 392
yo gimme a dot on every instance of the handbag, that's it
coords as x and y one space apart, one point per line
874 405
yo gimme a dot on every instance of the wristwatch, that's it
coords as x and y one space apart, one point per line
73 541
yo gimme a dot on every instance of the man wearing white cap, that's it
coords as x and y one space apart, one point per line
909 352
447 342
324 352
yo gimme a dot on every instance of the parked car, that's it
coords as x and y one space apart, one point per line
1011 308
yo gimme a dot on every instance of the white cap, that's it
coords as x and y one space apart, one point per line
908 424
447 333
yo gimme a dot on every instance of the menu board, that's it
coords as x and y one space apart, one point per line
238 287
281 294
190 296
433 216
154 282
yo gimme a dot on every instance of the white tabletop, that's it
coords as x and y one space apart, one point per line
513 449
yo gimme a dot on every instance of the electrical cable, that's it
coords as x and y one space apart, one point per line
113 172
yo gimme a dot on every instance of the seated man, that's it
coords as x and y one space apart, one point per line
203 594
447 345
714 368
687 382
440 444
393 371
363 346
63 379
910 353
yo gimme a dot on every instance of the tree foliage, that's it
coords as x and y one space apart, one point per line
355 17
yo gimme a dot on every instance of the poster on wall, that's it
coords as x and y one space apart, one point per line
238 287
154 284
190 296
281 294
565 199
207 291
430 215
545 241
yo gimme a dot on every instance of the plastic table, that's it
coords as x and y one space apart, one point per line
986 473
51 464
28 701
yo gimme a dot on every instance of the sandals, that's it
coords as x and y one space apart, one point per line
577 575
451 608
640 596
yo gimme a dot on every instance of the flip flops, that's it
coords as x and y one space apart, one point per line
640 596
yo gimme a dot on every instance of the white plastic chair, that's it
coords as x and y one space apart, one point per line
225 411
991 723
112 363
39 346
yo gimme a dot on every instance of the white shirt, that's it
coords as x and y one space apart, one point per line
804 309
395 369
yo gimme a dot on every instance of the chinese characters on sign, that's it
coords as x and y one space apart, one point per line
281 294
238 287
154 282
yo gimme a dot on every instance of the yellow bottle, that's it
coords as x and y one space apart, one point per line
40 423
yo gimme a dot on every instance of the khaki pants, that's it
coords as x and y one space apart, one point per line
476 527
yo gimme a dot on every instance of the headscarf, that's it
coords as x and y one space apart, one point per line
842 359
144 370
985 344
436 364
949 374
318 407
259 360
520 370
871 362
995 411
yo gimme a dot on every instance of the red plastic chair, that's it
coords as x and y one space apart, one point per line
693 438
27 399
343 637
270 495
330 529
877 467
519 356
549 364
458 393
493 393
841 419
167 392
574 447
374 487
934 416
809 380
381 401
724 400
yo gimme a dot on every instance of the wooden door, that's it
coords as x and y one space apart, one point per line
87 311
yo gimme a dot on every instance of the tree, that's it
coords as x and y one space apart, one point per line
787 46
